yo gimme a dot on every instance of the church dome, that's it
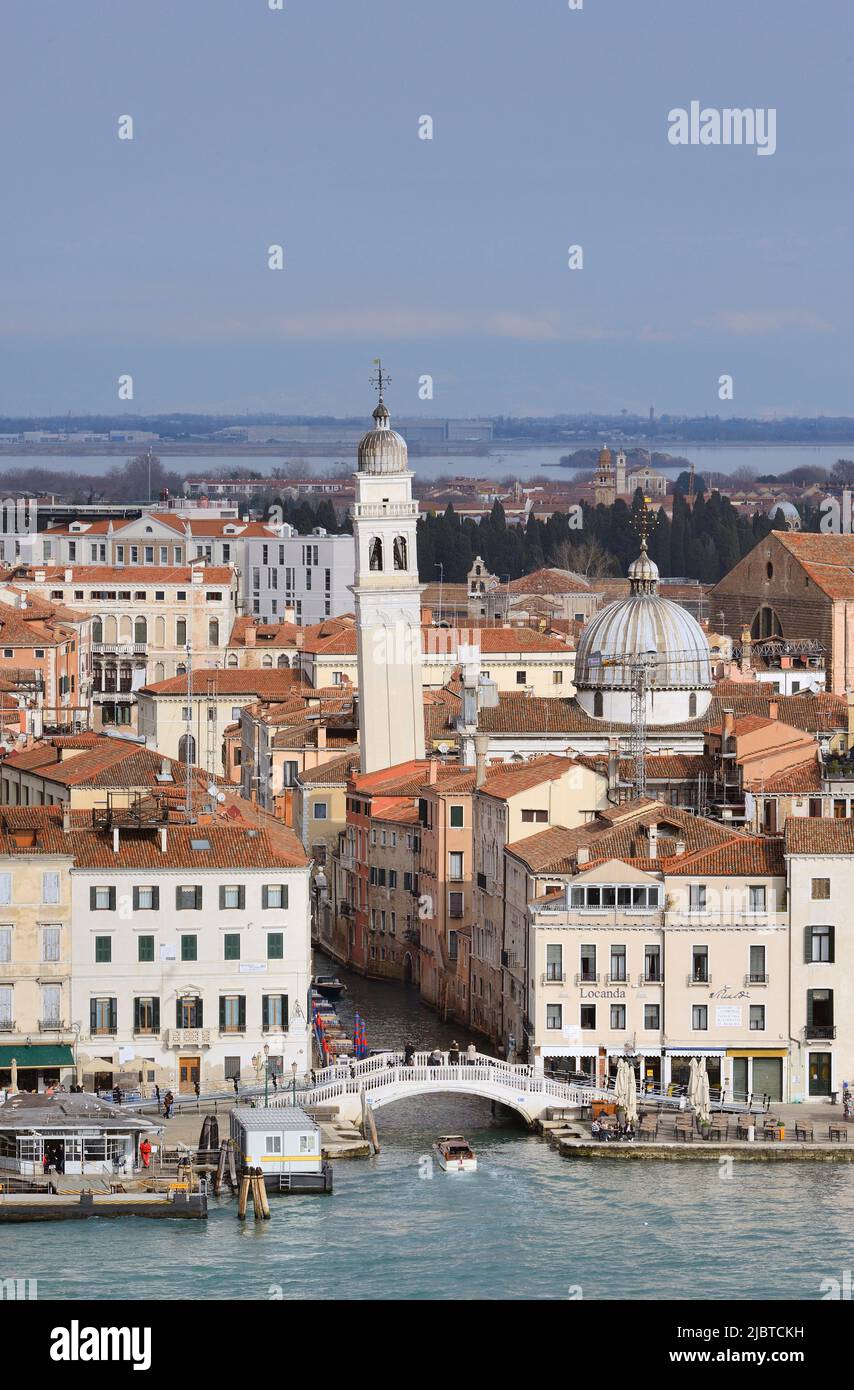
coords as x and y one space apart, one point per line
644 625
382 449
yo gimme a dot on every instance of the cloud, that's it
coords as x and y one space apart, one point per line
761 323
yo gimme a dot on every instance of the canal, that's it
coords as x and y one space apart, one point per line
527 1225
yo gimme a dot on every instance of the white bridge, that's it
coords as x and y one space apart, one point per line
382 1079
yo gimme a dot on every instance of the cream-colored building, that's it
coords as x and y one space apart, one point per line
215 702
36 1014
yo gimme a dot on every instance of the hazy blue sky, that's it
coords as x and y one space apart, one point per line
448 257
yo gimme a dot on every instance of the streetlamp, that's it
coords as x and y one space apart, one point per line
266 1070
294 1073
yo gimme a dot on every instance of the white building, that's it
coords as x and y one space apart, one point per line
190 945
303 578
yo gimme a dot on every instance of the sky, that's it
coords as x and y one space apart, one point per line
299 127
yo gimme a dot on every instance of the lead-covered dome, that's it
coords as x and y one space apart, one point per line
671 644
382 449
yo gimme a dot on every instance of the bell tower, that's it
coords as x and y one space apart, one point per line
388 597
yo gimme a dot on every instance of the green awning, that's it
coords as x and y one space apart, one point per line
37 1056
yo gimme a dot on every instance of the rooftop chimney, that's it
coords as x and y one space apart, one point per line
773 709
163 839
481 749
582 855
653 841
433 771
249 636
680 847
66 818
728 726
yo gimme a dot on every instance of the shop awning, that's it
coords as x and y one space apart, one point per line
696 1051
34 1055
757 1052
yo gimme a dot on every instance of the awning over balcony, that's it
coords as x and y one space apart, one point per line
33 1055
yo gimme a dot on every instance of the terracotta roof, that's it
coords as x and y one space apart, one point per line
623 835
232 846
267 683
804 777
827 559
754 854
266 634
660 767
127 574
520 713
510 779
819 835
550 581
336 772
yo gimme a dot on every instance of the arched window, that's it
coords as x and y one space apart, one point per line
375 554
160 632
232 660
400 552
765 624
213 632
186 749
110 630
268 660
180 669
140 630
283 660
598 704
159 671
692 706
97 630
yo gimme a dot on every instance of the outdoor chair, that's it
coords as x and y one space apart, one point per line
719 1128
838 1132
804 1132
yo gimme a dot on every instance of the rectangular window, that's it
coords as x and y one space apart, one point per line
455 864
275 945
5 889
6 997
820 889
554 1015
700 965
52 1006
700 1017
146 898
50 888
588 1017
455 905
554 962
102 899
819 945
321 810
455 817
521 677
756 897
5 945
618 963
188 1011
274 1011
652 964
189 948
232 896
757 966
103 949
51 943
652 1017
232 1013
535 817
696 897
588 963
145 948
274 895
188 897
757 1018
231 946
272 1143
102 1016
618 1016
146 1015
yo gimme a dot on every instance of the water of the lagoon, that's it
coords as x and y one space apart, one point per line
498 464
527 1225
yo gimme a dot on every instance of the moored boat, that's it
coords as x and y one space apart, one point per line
455 1154
329 986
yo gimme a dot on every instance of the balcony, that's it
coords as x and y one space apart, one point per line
618 979
698 979
54 1025
552 977
187 1037
820 1032
656 979
390 509
120 648
754 978
7 1025
585 979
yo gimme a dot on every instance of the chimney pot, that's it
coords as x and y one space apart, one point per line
773 709
582 854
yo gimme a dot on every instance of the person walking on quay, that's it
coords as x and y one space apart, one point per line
197 1088
157 1095
454 1055
168 1102
145 1153
235 1081
409 1054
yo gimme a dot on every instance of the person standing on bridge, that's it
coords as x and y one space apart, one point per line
408 1054
454 1055
471 1054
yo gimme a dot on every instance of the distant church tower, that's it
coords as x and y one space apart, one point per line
621 474
604 490
388 598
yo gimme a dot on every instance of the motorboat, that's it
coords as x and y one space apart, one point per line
329 986
455 1154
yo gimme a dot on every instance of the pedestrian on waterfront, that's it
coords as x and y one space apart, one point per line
235 1081
157 1096
197 1088
471 1053
435 1058
596 1130
168 1102
145 1153
454 1054
46 1163
408 1054
275 1080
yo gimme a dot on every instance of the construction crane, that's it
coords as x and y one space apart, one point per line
642 667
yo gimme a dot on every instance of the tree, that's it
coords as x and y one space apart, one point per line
843 472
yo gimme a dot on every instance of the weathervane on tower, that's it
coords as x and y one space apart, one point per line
380 379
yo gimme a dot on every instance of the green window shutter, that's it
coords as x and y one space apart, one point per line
177 1013
112 899
265 1011
113 1016
265 896
146 948
284 895
275 945
136 900
200 1011
136 1015
92 900
241 897
221 1011
198 897
832 943
284 1011
178 904
232 946
93 1015
809 1008
155 898
241 1012
807 945
221 897
155 1013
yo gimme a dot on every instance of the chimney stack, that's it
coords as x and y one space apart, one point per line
582 855
66 818
653 841
481 749
746 649
728 727
773 709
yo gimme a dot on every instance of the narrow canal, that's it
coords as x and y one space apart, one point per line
527 1225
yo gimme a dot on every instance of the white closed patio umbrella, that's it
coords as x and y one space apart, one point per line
620 1084
631 1095
692 1082
13 1081
703 1098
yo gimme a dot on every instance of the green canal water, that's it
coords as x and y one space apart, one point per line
527 1224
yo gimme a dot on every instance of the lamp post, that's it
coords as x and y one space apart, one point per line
266 1071
294 1073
